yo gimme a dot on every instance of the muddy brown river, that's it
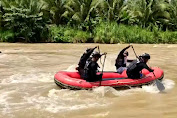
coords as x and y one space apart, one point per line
27 88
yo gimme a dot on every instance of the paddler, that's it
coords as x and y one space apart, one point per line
134 69
122 60
83 60
91 68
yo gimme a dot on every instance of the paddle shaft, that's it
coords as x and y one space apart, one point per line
154 74
98 49
135 52
103 67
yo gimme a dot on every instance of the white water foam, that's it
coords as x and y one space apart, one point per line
156 46
152 88
168 84
72 68
171 46
66 100
29 78
3 102
3 56
168 46
7 105
100 115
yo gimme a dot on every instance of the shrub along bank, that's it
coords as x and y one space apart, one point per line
80 21
111 33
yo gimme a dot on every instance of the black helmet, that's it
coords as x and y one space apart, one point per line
145 56
96 54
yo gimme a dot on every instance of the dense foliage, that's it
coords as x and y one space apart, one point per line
80 21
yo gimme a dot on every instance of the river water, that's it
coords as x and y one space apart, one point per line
27 88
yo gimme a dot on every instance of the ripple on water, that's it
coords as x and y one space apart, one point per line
66 100
28 78
152 88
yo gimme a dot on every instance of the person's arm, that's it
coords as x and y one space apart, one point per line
146 67
91 50
86 55
124 49
130 60
94 67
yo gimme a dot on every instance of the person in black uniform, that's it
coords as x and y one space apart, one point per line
135 68
122 60
91 69
83 60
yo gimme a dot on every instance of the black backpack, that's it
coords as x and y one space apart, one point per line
132 66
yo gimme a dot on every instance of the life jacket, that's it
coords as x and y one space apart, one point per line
86 69
85 57
82 61
120 63
132 66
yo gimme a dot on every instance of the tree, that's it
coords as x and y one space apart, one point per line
25 18
81 13
141 11
1 14
173 14
56 9
148 12
112 10
161 13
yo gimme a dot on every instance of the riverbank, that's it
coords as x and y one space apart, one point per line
106 33
95 21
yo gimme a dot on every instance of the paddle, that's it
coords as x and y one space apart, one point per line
99 52
159 85
135 53
98 48
103 66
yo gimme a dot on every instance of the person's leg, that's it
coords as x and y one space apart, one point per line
96 78
82 74
133 76
121 69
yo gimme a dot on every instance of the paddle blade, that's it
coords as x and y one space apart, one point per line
160 86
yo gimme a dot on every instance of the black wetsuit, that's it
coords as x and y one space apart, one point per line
133 70
120 59
90 72
83 60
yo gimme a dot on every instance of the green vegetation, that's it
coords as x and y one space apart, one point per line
68 34
82 21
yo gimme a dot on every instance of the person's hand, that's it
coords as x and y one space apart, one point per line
104 54
101 74
130 45
95 47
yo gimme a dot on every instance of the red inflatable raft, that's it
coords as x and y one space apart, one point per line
72 80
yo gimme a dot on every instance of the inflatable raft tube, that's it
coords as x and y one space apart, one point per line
72 80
